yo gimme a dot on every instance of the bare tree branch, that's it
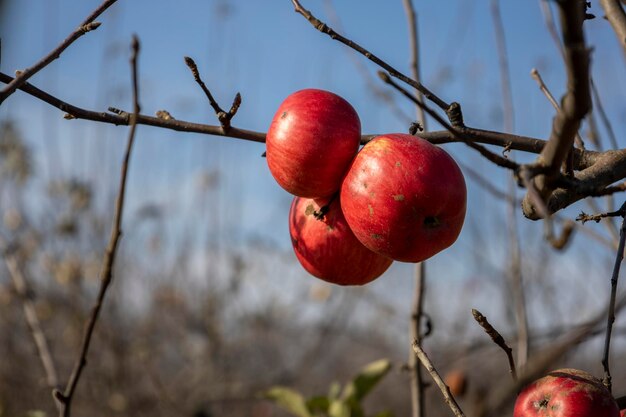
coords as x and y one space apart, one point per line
224 117
617 18
409 10
122 118
497 339
24 291
106 273
619 257
447 395
575 104
415 333
86 26
544 89
458 134
322 27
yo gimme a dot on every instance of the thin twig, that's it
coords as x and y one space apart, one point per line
515 256
24 291
415 333
224 117
575 103
445 390
322 27
617 18
411 16
551 26
122 118
611 313
534 73
603 116
497 339
86 26
460 135
106 273
584 217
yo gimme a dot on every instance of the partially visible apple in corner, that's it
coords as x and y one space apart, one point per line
311 141
566 393
404 197
327 248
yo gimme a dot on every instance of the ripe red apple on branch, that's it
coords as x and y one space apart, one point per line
311 141
328 249
404 197
566 393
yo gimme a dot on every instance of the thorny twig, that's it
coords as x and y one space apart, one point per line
86 26
64 398
497 339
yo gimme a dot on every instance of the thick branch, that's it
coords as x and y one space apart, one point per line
86 26
574 105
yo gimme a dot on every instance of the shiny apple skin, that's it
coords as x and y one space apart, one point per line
566 393
328 249
311 141
404 197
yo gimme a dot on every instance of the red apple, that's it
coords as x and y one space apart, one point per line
311 142
328 249
622 413
404 197
566 393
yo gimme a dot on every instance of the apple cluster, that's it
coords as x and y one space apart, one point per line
355 212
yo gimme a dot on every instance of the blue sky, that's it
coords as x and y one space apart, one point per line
266 51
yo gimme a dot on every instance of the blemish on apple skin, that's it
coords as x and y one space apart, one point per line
375 236
282 116
371 209
329 228
364 185
398 197
398 164
309 210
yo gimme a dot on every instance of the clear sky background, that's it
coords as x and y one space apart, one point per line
265 51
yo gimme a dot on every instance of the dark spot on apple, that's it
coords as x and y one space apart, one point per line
309 210
375 236
431 222
364 185
398 197
398 164
282 116
539 405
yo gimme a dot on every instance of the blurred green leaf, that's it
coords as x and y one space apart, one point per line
334 390
318 405
289 399
366 380
338 408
